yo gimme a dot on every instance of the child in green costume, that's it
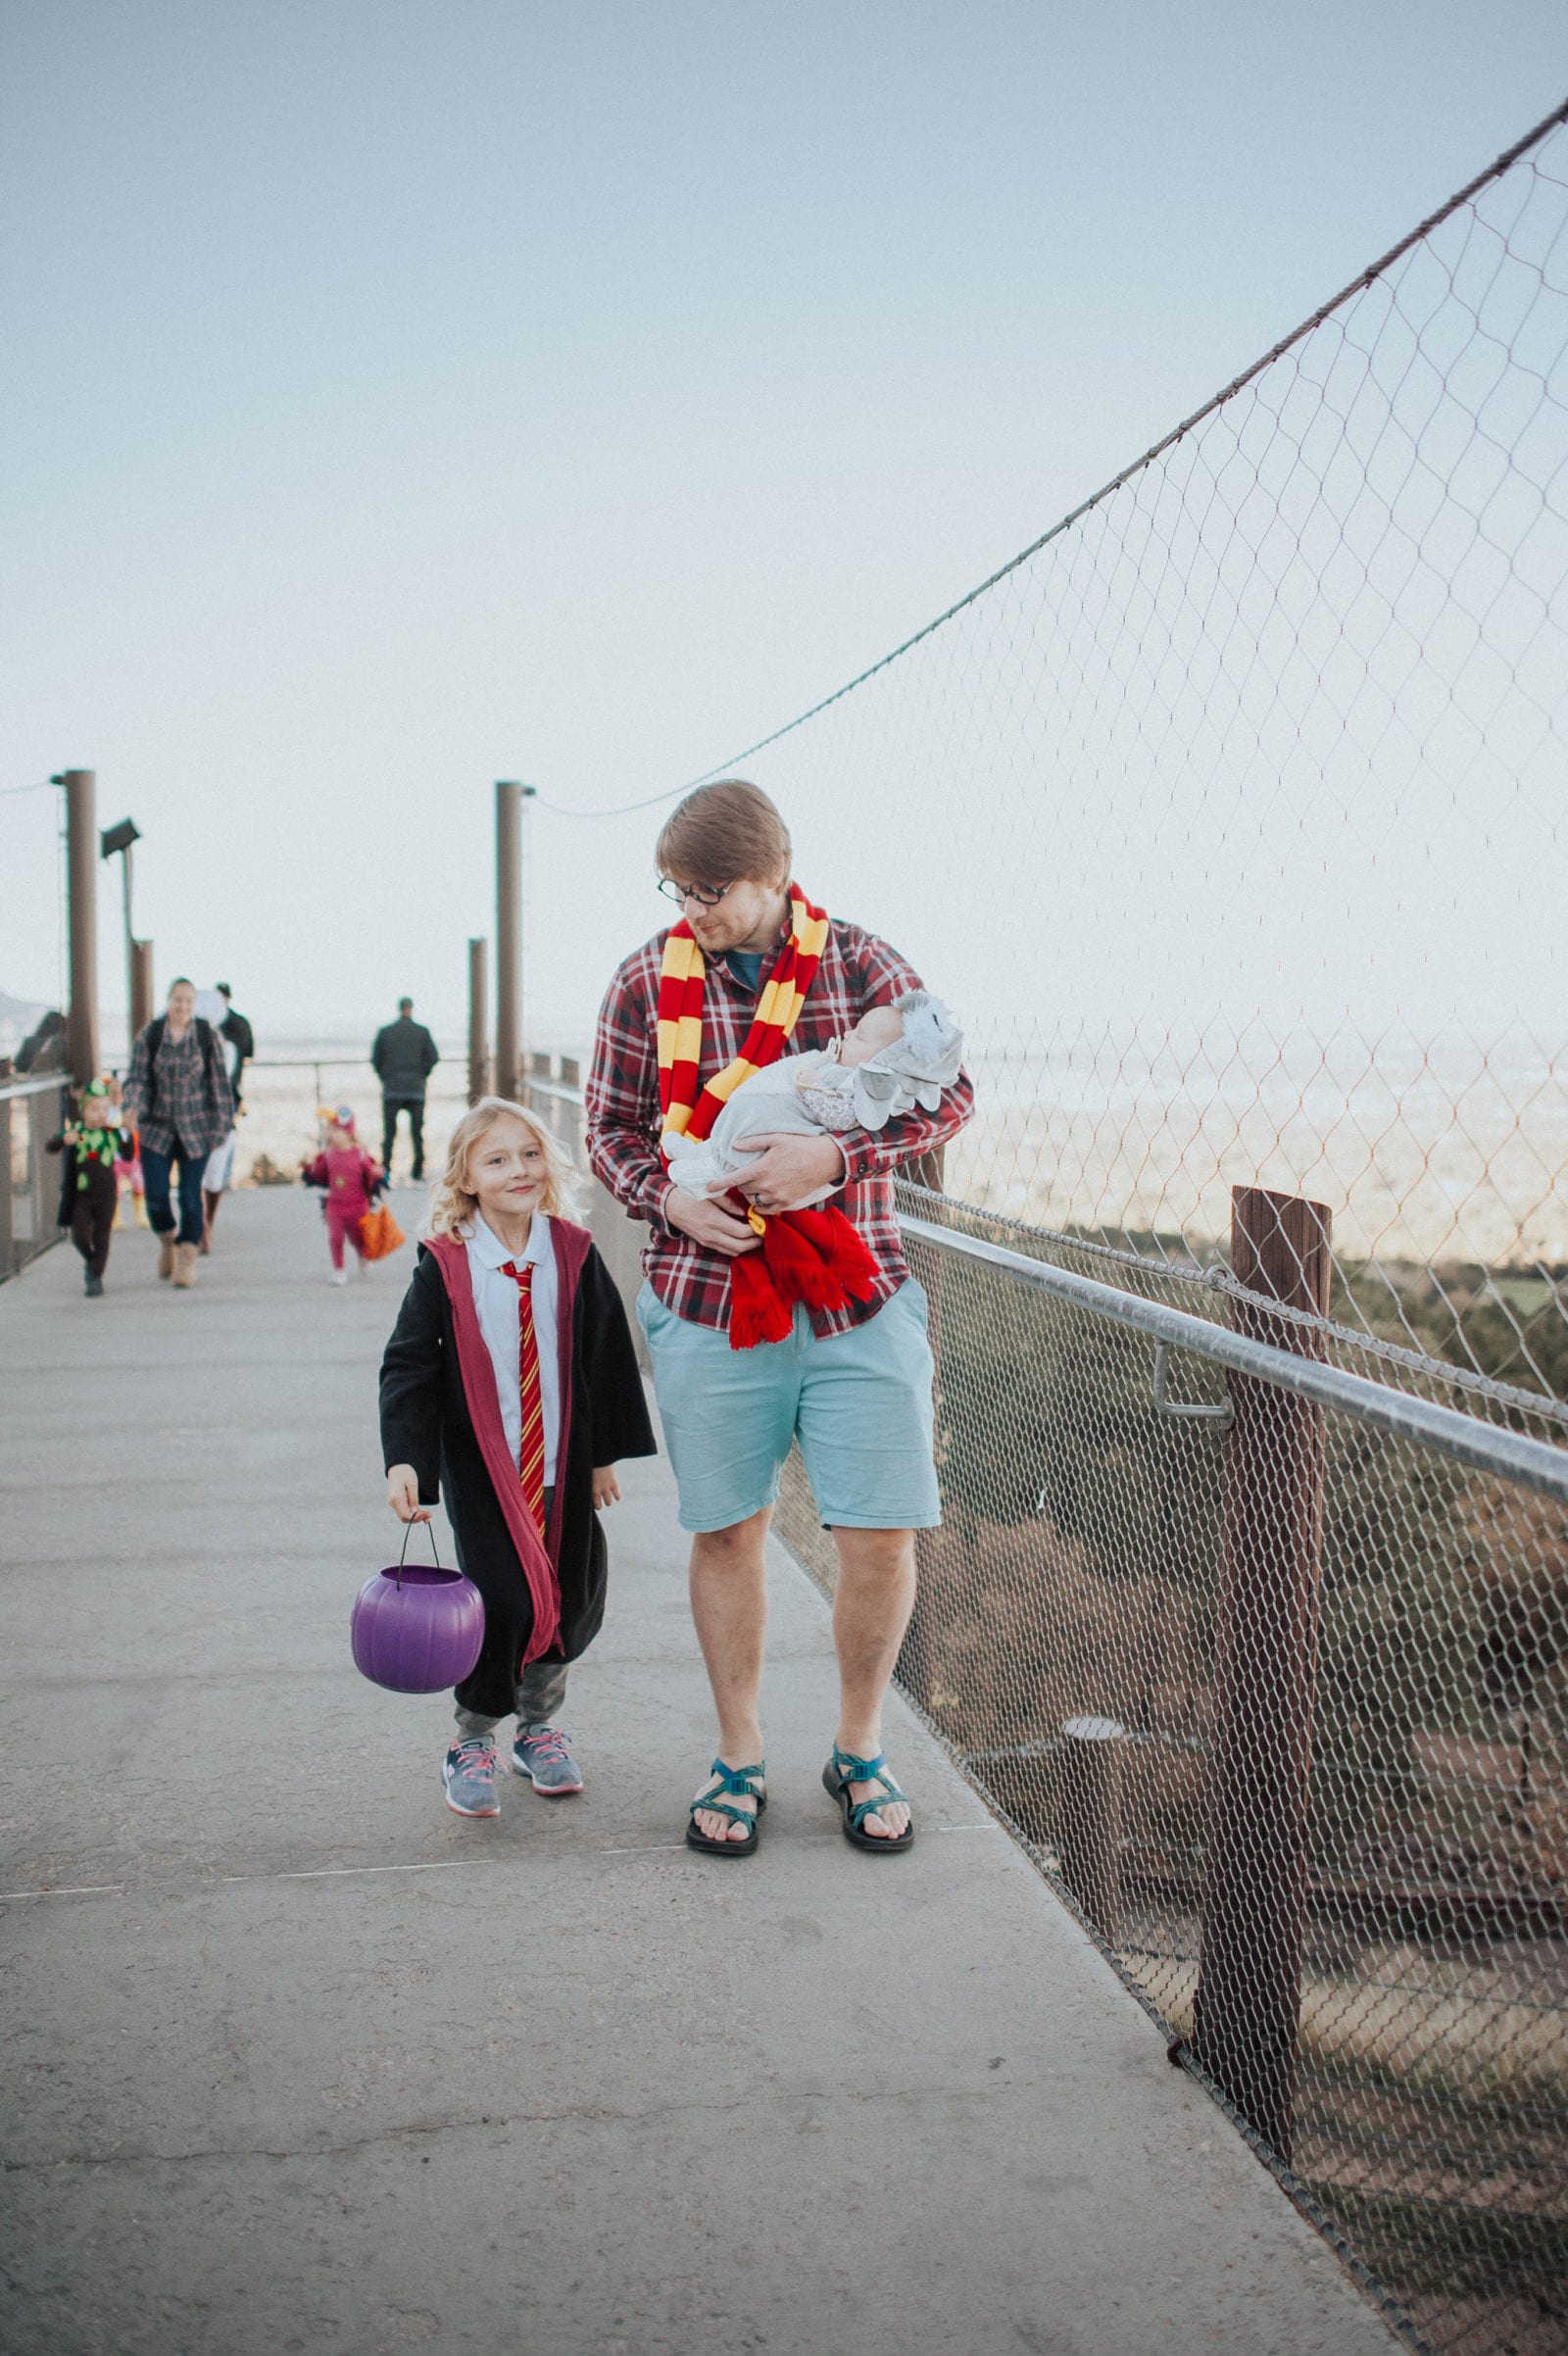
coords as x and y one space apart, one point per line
91 1145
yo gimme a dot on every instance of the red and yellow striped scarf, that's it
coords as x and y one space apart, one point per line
687 1112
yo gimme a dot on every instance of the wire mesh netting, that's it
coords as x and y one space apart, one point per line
1370 1867
1227 815
1230 815
32 918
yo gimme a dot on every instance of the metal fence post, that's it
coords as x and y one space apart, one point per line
478 1019
41 1122
1247 2007
916 1662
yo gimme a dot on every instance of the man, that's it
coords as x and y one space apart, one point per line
854 1386
241 1038
404 1057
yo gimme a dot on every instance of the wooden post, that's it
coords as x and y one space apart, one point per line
46 1116
1247 2009
1089 1828
82 873
508 936
916 1661
479 1015
8 1253
141 987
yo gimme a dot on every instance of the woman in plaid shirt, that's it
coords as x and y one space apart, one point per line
179 1098
852 1384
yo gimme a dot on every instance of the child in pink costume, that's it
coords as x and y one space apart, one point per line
351 1179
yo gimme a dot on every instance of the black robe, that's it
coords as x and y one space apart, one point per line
430 1421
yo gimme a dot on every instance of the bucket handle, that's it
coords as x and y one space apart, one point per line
409 1528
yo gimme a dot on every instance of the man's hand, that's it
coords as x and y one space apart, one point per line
716 1224
787 1167
402 1494
607 1488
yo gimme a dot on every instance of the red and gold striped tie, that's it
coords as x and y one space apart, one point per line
531 1447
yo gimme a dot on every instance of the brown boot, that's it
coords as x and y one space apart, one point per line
184 1266
166 1255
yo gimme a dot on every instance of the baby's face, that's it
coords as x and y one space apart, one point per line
870 1035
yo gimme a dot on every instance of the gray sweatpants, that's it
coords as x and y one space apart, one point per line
541 1690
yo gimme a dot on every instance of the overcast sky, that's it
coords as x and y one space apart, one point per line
401 396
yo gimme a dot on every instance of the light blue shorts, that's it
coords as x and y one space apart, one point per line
859 1403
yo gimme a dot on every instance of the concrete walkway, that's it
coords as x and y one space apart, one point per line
298 2060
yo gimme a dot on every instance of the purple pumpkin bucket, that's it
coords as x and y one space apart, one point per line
417 1628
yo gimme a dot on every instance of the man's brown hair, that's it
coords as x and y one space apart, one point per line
724 833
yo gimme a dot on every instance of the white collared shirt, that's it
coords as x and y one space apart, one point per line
495 1298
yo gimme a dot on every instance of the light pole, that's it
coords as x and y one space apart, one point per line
512 799
119 838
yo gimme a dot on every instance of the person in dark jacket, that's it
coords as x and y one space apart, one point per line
510 1389
241 1038
403 1058
89 1191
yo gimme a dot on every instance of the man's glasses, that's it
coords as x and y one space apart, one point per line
707 896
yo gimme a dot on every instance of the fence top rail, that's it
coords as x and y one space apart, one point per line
1512 1455
11 1089
327 1062
1490 1448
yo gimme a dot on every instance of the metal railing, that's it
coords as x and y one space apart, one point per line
31 1111
1487 1447
1272 1681
1272 1684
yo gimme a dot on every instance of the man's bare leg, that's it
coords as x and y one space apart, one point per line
871 1607
729 1606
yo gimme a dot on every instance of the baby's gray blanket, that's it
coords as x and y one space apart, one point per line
804 1096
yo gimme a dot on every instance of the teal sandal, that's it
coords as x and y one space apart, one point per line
844 1769
737 1782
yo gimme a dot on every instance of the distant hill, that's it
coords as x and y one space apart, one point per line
19 1018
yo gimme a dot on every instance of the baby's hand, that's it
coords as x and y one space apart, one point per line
607 1488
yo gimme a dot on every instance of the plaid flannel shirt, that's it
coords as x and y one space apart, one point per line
193 1101
857 972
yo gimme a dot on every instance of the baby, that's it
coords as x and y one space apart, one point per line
895 1058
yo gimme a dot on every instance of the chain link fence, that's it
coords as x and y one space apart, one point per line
1228 817
1282 1711
1249 777
1230 813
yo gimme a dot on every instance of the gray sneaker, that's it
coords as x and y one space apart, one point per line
469 1776
541 1754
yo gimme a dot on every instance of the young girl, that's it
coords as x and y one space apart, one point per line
352 1179
511 1387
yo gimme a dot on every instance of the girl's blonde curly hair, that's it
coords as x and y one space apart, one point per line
453 1205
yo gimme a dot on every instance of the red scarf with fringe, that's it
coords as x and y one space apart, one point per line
810 1256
